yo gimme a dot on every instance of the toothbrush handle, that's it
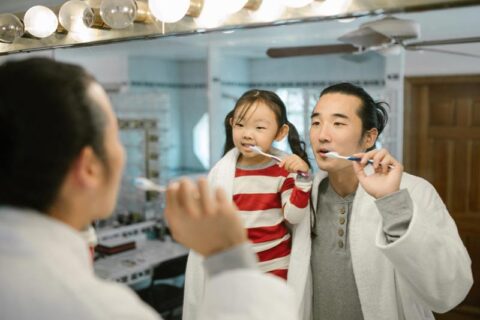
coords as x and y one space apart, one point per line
303 174
369 161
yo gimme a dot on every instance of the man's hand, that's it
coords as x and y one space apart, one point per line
200 221
387 176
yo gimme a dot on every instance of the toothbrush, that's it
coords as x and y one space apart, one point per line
148 185
333 154
258 150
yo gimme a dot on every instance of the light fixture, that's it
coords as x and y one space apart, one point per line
76 16
215 11
169 11
40 21
297 3
11 28
118 14
268 10
233 6
332 7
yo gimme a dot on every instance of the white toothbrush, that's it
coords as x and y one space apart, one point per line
148 185
258 150
333 154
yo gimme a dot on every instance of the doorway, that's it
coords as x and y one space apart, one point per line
442 145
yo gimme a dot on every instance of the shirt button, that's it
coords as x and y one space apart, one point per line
342 220
340 243
342 210
340 232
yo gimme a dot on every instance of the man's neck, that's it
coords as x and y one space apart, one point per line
344 181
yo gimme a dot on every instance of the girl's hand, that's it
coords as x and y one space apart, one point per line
387 176
293 163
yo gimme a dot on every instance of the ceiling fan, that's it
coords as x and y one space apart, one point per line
374 36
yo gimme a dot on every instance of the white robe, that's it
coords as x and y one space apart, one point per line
46 273
222 175
427 269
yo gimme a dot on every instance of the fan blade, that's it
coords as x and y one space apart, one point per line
444 51
310 50
442 42
365 38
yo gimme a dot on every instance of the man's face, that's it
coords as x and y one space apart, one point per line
107 195
336 126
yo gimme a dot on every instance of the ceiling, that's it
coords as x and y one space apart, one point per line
252 43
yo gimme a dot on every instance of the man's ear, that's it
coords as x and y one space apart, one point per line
369 138
87 169
282 132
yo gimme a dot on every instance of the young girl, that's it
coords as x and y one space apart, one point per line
269 195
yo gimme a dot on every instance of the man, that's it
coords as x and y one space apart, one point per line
384 245
60 169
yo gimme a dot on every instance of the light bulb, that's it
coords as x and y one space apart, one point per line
118 14
233 6
332 7
297 3
269 10
40 21
11 28
169 11
75 16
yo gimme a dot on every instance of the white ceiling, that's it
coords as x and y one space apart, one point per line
252 43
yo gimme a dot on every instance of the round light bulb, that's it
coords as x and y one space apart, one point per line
269 10
11 28
75 16
169 11
40 21
297 3
233 6
118 14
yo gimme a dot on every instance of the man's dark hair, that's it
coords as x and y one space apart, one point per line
372 113
46 119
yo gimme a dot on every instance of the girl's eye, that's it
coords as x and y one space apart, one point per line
261 128
239 124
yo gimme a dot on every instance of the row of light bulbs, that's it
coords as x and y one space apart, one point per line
76 16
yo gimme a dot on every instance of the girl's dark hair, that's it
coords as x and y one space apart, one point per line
46 119
273 101
372 113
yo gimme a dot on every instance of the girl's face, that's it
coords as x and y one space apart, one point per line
258 127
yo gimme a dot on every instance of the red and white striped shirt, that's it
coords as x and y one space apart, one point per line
266 198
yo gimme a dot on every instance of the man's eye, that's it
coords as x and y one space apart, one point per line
338 124
315 123
260 128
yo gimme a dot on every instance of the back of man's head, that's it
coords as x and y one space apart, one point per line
46 119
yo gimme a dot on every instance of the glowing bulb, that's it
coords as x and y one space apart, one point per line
269 10
297 3
75 16
333 7
11 28
118 14
169 11
40 21
212 14
233 6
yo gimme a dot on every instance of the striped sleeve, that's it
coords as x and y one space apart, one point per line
295 193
